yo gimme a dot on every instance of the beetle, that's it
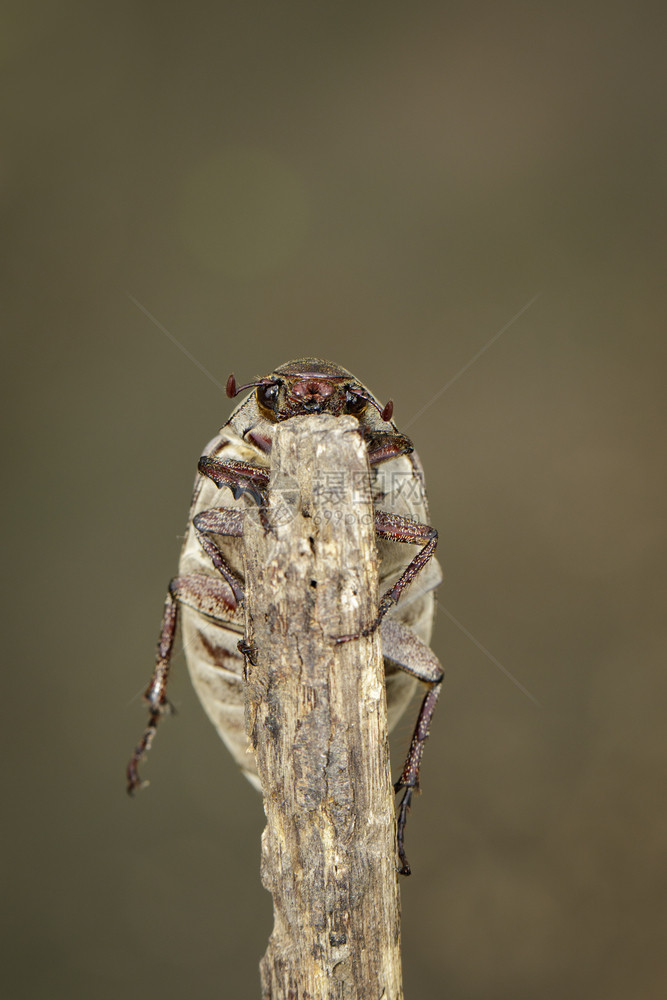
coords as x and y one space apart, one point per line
207 594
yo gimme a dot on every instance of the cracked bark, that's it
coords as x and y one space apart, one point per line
316 716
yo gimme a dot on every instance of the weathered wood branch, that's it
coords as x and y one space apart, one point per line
317 719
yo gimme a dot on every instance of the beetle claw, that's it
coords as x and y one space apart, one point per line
254 494
400 827
249 650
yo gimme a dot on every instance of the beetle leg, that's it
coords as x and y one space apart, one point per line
399 529
206 595
385 445
404 647
156 692
404 529
220 521
241 477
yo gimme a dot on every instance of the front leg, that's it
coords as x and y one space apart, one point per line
384 445
241 477
401 645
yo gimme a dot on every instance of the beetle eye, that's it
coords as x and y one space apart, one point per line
354 403
267 395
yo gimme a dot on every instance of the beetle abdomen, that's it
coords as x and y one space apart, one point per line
214 662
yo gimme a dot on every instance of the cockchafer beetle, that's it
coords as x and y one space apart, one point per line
207 594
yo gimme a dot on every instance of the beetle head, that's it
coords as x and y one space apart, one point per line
310 385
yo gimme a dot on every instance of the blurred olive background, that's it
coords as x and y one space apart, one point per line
387 186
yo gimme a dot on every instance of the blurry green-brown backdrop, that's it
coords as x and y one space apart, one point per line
388 186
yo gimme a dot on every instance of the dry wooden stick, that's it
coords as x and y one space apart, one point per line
317 719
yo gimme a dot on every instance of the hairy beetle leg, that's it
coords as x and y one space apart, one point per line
400 831
205 595
156 692
398 529
220 521
201 593
386 445
241 477
409 779
404 647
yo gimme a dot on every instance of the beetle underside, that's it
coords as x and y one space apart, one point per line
210 584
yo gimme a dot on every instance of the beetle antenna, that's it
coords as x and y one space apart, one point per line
233 389
384 411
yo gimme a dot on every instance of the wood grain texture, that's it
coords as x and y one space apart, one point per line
316 717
